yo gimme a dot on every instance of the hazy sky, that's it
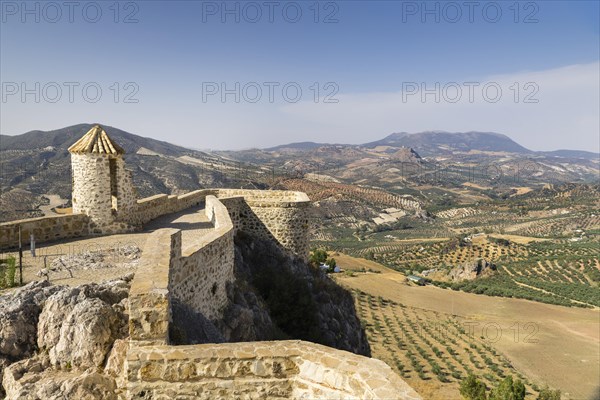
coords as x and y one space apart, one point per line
231 75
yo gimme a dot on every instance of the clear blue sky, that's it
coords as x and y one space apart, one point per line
175 49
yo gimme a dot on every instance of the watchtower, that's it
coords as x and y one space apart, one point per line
102 187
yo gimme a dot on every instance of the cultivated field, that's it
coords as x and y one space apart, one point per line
433 336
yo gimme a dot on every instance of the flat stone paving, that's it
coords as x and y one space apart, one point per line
192 221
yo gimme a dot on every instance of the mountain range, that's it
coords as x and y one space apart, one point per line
37 163
433 143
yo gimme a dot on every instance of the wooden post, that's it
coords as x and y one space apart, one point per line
20 258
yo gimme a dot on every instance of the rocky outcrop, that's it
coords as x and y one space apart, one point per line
19 314
468 271
471 270
70 334
86 336
406 155
78 325
33 379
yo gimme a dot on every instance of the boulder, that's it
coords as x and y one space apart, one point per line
32 379
60 308
75 328
19 314
86 335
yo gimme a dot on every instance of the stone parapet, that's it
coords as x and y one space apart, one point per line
149 297
153 207
199 278
44 229
276 215
256 370
194 273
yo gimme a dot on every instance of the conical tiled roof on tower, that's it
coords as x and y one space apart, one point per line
96 141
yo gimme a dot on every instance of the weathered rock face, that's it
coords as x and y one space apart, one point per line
75 329
247 318
468 271
32 379
3 364
78 325
406 155
19 314
471 270
115 362
86 335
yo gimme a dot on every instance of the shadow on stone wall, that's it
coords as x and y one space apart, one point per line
263 221
191 327
302 302
275 297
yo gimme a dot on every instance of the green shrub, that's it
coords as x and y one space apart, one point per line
548 394
8 271
508 389
472 388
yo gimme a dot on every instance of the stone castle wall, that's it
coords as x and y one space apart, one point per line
255 370
290 369
149 297
280 216
153 207
198 279
276 215
44 229
195 276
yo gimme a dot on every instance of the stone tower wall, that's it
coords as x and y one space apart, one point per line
91 189
276 215
253 370
126 194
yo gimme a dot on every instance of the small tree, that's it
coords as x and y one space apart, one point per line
318 257
508 390
472 388
549 394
